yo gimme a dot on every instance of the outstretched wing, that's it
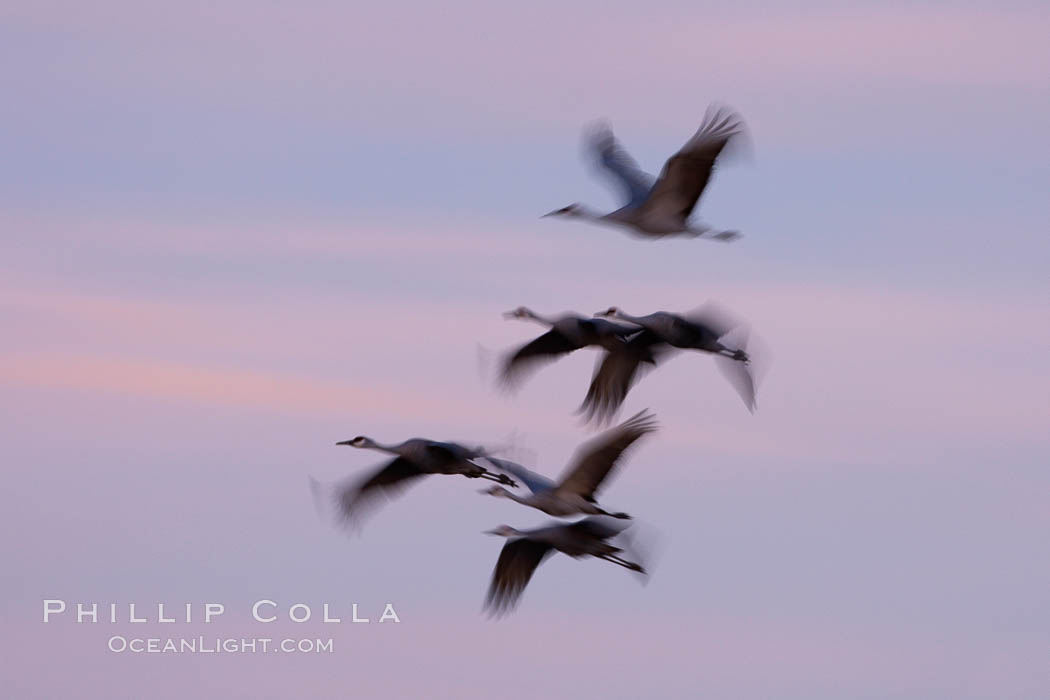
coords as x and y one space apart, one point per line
354 500
517 562
745 377
618 371
546 348
533 482
686 173
595 459
739 376
610 155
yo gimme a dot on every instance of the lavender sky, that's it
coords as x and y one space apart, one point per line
234 233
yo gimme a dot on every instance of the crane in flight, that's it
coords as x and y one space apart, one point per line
574 493
526 549
413 459
708 329
662 208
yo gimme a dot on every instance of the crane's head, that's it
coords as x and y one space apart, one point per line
502 531
520 312
359 441
573 209
611 312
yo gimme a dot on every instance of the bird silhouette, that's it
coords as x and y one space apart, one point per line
413 459
526 549
662 208
594 461
708 329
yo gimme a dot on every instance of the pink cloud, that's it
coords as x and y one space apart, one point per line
267 390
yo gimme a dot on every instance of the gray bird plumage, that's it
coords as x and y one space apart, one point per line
708 329
526 549
662 206
568 333
594 461
413 459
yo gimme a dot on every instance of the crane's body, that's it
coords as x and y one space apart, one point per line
549 501
578 330
642 220
681 332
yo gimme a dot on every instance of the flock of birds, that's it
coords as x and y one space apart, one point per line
631 344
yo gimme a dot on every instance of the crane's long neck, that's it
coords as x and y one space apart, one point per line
389 449
624 316
585 213
524 500
533 316
504 493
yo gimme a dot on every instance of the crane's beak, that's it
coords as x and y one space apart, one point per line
492 532
552 213
345 442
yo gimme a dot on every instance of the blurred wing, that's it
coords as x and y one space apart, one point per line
533 481
686 173
745 377
643 544
595 459
613 377
517 562
739 376
602 326
546 348
634 183
353 501
618 371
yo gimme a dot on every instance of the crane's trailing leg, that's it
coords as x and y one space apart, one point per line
738 355
501 478
621 516
622 562
726 236
702 231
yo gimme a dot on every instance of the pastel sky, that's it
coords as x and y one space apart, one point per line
236 232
